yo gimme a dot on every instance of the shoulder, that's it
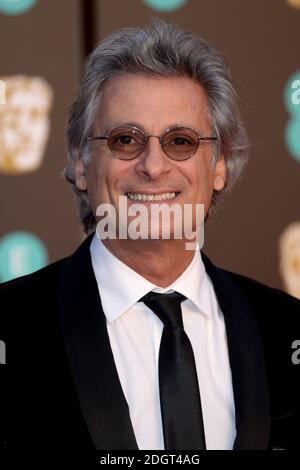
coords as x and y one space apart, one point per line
41 279
260 296
30 299
263 292
277 312
47 278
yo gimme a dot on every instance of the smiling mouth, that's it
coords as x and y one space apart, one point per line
145 197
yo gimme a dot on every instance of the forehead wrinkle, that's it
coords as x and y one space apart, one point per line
106 122
121 123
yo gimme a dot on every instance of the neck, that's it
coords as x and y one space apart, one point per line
159 261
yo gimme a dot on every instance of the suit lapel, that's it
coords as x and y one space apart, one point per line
246 360
90 356
95 375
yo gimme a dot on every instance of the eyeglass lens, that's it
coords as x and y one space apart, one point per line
178 143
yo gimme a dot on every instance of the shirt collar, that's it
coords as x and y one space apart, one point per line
120 287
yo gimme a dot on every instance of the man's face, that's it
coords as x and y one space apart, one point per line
153 105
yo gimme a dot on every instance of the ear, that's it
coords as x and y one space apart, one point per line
220 173
80 177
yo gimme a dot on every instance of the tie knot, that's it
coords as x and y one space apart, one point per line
166 306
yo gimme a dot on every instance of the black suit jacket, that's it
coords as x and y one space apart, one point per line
60 386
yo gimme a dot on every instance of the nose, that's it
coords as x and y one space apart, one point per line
153 162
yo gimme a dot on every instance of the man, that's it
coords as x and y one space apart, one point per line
139 343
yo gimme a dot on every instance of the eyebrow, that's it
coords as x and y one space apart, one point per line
116 124
110 126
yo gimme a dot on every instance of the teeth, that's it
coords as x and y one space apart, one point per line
151 197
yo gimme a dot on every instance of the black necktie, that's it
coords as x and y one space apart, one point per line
178 383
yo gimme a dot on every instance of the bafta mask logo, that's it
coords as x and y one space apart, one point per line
294 3
289 258
24 123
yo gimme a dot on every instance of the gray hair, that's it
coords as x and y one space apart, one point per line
160 49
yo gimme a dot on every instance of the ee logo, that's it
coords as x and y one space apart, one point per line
296 94
16 7
292 102
165 5
21 253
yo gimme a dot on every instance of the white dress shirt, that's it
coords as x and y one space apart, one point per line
135 333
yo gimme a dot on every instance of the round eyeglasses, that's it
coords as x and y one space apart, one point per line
178 143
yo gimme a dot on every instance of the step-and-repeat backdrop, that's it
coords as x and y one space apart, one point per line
42 45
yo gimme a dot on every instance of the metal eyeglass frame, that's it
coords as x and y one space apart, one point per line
146 137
